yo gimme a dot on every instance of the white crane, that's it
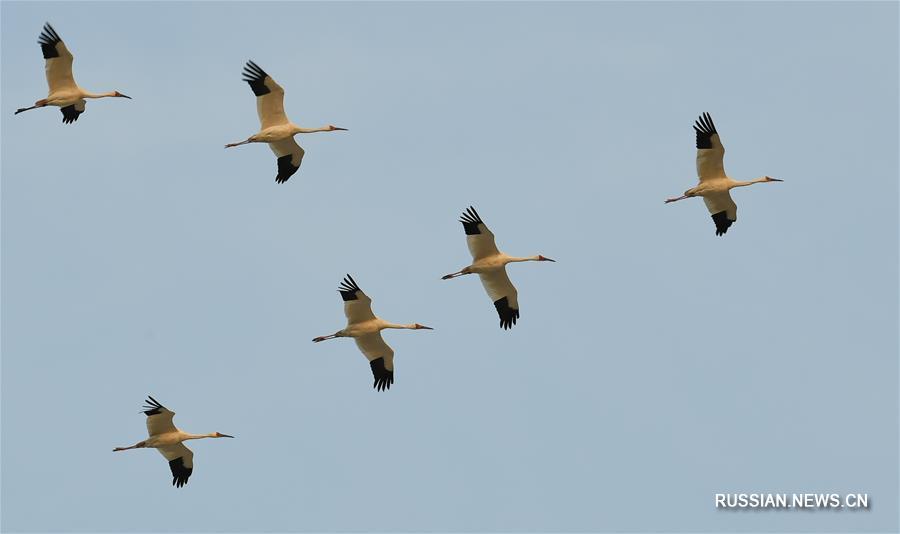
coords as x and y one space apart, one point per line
714 184
168 440
275 128
490 265
365 328
64 92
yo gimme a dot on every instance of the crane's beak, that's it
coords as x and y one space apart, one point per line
423 327
341 129
543 258
224 435
774 179
123 96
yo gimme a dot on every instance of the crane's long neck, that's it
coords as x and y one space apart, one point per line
514 259
298 129
198 436
735 183
398 326
88 94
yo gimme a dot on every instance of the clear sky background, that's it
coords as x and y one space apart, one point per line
654 365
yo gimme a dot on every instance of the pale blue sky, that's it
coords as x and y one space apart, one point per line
653 366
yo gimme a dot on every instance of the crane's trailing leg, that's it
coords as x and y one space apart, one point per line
38 104
323 338
229 145
454 275
138 445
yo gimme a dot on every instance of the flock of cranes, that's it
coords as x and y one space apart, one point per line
362 324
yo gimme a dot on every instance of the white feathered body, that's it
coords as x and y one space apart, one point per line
166 439
272 134
372 326
491 263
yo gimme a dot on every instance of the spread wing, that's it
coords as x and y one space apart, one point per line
159 418
181 462
381 359
723 210
269 96
357 305
72 112
478 237
710 152
58 60
289 155
504 295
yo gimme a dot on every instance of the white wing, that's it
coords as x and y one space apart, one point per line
181 462
504 295
374 347
479 238
289 155
269 96
710 152
381 359
357 305
723 210
58 64
159 418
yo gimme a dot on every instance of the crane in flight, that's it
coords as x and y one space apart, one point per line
169 441
64 93
275 128
490 265
365 329
714 184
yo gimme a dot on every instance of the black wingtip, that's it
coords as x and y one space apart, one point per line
471 213
705 124
255 76
349 283
48 40
253 70
152 406
348 288
286 168
723 223
383 377
70 114
705 129
180 473
48 33
470 221
508 315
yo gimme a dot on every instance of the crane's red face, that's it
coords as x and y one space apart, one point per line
121 95
220 435
422 327
542 258
332 127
